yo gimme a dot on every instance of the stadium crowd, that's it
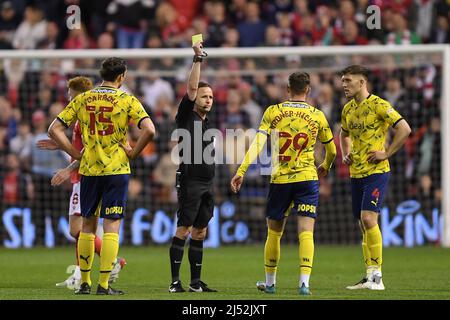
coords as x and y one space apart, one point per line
32 94
237 23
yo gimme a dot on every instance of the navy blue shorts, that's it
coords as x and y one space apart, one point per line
368 193
110 191
299 198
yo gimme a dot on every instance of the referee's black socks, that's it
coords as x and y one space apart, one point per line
176 256
195 259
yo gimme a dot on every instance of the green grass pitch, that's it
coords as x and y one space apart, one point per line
416 273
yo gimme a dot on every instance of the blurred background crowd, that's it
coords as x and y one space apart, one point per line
109 24
33 92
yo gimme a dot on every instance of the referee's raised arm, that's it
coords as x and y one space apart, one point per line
187 104
194 76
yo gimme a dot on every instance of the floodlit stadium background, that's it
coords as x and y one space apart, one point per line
262 43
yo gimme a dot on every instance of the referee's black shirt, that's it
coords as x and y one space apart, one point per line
185 119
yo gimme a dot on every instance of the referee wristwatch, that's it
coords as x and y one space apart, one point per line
197 59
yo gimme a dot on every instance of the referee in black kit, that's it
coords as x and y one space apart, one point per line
194 179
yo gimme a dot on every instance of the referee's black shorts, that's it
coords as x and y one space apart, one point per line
195 202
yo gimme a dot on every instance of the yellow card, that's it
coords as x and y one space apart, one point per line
197 38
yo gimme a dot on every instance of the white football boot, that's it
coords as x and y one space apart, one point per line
73 282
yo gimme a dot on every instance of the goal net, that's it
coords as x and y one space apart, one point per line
33 90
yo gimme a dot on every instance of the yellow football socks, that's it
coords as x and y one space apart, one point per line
375 245
366 251
272 255
108 255
306 254
86 255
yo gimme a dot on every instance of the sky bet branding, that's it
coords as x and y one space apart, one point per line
159 227
407 226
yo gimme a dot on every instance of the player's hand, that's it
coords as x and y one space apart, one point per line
376 156
236 183
128 150
47 144
348 159
59 177
322 171
198 48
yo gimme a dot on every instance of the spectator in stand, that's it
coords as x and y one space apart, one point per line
322 31
270 10
360 13
350 35
48 201
187 9
261 81
52 40
100 22
252 29
3 143
394 92
236 11
401 34
284 22
9 21
231 38
301 11
153 87
272 37
170 24
21 143
161 116
249 106
105 41
129 19
32 29
14 70
325 102
305 35
441 34
424 21
154 41
45 99
235 117
346 12
78 39
9 118
16 187
164 176
400 6
217 25
428 169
